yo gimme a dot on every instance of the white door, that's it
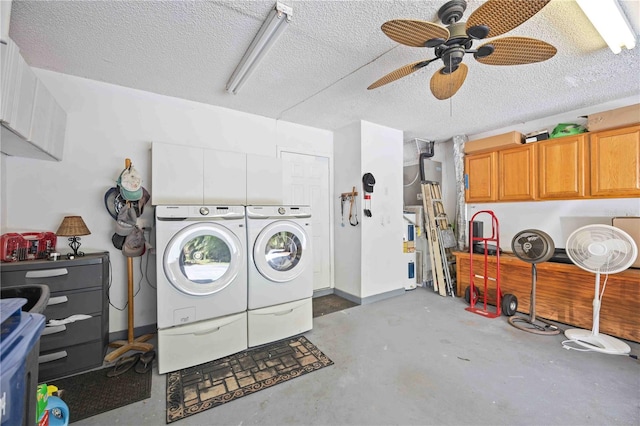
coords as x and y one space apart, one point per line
306 182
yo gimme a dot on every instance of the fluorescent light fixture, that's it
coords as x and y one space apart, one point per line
609 19
275 24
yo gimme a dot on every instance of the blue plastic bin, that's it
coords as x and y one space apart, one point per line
19 347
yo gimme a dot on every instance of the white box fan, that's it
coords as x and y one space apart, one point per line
600 249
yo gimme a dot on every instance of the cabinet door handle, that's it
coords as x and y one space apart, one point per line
47 273
52 357
278 314
211 330
57 300
53 330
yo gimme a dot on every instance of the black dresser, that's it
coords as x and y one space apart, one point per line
79 288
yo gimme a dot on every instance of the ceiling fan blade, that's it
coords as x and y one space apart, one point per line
444 86
400 72
517 51
504 15
414 33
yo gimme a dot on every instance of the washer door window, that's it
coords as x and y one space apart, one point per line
202 259
281 251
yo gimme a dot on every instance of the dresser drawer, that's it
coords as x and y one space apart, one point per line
72 359
63 305
54 337
56 276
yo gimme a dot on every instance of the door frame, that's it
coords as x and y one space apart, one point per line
329 156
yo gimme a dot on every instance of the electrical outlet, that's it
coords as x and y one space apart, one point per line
143 223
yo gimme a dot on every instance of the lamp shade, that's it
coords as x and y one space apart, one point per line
72 226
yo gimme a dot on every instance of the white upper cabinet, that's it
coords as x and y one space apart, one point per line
190 175
264 180
176 174
225 178
5 19
33 123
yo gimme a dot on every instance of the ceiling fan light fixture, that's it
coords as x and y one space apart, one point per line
277 21
434 42
610 21
484 51
478 32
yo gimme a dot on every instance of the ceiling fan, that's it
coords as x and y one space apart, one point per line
455 39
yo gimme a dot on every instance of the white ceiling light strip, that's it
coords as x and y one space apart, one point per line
273 27
609 19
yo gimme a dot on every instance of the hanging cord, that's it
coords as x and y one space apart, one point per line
109 292
354 216
111 282
367 205
343 199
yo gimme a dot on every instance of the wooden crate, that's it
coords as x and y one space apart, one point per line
614 118
492 143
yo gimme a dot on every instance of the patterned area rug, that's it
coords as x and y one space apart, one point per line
93 393
196 389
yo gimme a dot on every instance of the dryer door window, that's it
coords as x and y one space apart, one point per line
203 259
281 251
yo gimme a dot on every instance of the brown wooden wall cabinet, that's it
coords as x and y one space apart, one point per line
603 164
516 173
563 168
481 177
564 293
615 162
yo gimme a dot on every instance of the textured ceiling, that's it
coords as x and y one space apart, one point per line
318 72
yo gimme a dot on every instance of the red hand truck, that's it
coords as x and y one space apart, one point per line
508 302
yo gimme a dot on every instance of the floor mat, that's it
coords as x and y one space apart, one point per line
330 303
196 389
93 393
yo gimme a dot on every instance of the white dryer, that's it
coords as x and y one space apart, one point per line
280 272
201 271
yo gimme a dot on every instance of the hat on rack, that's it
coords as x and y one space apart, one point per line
367 182
134 243
118 240
139 205
130 184
126 220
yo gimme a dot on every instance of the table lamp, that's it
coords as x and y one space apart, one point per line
73 227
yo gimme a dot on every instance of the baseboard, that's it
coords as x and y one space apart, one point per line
369 299
137 331
382 296
322 292
345 295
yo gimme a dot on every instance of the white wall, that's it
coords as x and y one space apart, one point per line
107 124
383 264
368 258
348 244
554 217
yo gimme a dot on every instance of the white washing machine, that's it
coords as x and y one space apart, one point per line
280 272
201 270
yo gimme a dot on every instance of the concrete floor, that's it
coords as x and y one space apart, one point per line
421 359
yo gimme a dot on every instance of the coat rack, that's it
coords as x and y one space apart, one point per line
131 344
351 196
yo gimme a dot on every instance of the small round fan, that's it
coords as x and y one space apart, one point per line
600 249
533 246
